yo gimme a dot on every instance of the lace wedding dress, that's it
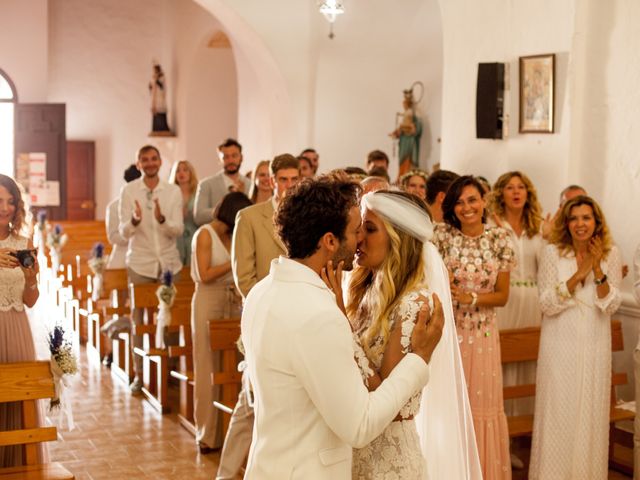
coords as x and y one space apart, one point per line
396 453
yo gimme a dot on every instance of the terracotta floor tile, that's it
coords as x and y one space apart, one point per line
118 436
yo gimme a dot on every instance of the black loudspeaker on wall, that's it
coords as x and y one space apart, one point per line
489 100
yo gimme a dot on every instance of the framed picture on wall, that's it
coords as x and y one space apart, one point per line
537 92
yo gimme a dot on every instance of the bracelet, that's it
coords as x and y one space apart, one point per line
600 281
474 299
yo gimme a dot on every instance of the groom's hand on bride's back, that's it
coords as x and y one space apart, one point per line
428 329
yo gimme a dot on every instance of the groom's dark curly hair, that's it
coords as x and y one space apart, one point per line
313 208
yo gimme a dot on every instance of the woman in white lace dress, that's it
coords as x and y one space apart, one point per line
386 292
18 287
515 207
579 281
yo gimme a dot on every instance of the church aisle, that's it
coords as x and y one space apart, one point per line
118 436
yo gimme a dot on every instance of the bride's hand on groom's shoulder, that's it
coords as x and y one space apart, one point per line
428 329
332 277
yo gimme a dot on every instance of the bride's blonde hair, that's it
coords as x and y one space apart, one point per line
401 271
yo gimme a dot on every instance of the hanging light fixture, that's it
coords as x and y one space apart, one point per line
331 9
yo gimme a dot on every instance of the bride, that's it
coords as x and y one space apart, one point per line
398 270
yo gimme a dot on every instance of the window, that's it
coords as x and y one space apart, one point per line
8 99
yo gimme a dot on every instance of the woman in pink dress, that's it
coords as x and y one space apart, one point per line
479 259
18 287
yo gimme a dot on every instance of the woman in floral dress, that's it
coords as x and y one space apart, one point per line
479 259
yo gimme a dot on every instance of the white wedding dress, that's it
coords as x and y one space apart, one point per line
396 454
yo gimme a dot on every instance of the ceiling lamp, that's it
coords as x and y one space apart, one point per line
331 9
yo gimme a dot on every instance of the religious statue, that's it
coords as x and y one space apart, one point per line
158 102
408 132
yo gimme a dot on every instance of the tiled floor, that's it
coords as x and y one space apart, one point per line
118 436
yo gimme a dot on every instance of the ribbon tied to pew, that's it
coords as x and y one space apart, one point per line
97 264
166 294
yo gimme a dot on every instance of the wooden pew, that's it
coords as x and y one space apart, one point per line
27 382
96 314
223 337
521 345
155 360
184 373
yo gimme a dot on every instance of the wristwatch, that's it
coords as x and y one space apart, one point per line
600 281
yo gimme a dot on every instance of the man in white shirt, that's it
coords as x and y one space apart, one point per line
119 245
150 212
211 189
311 405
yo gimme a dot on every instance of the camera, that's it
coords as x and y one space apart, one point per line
25 257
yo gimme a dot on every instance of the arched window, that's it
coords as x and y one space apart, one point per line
8 99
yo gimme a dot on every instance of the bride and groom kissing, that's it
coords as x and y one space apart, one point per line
340 391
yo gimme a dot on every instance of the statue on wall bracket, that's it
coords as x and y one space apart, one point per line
157 88
409 130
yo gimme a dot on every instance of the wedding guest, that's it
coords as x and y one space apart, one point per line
18 288
306 169
211 189
437 185
377 158
112 222
215 298
479 259
373 184
313 157
415 181
184 175
261 189
356 173
150 213
516 208
579 280
253 248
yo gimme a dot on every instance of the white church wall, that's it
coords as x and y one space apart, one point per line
502 31
23 47
206 88
100 64
101 56
342 93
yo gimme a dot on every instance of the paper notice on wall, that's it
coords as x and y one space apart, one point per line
46 194
31 170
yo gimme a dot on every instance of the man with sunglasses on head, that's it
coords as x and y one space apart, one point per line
150 213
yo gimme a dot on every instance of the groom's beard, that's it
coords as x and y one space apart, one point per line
344 254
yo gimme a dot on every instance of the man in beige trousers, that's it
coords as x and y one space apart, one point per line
255 244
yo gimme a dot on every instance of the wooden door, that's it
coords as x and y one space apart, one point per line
41 127
80 194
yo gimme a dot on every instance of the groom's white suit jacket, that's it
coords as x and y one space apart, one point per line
311 405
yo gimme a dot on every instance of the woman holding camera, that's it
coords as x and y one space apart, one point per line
18 287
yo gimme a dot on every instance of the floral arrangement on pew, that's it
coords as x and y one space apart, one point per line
97 264
56 239
166 294
63 366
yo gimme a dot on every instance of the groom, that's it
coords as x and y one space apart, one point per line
311 405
